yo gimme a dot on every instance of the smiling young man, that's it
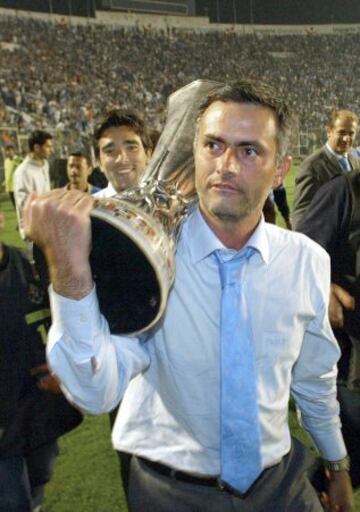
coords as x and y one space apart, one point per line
333 159
123 148
231 347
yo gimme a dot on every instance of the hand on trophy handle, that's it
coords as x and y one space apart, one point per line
59 224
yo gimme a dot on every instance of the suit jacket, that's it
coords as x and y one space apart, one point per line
313 172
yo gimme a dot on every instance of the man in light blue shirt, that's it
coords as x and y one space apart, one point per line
169 380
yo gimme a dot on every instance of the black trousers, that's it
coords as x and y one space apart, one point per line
282 488
23 478
349 400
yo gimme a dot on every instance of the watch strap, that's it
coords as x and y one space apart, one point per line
338 465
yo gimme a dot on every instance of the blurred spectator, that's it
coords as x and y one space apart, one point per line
333 159
78 171
32 175
11 161
34 413
332 219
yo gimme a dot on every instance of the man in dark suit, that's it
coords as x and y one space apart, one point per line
333 159
333 220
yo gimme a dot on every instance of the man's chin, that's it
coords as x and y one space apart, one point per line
343 149
228 214
121 183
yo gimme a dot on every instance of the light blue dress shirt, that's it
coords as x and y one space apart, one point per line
169 382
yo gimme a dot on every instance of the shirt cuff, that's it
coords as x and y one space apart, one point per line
330 444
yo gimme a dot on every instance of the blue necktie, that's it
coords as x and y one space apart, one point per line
240 429
345 164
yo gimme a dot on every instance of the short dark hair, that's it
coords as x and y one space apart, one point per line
336 114
81 151
38 137
119 117
256 93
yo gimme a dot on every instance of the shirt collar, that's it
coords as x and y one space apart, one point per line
338 156
110 190
203 241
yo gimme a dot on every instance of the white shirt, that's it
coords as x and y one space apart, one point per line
30 176
106 192
170 409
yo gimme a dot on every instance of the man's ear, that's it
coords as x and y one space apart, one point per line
282 170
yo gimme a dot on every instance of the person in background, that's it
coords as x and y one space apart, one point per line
34 413
123 147
11 162
333 220
333 159
79 169
32 175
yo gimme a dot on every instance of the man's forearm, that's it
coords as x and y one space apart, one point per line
70 282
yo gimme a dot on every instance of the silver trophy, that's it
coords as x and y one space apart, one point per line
134 233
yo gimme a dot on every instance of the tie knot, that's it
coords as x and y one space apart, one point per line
344 162
231 270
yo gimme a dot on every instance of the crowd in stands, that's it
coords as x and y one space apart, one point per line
63 76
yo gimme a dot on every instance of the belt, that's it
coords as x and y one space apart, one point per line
214 482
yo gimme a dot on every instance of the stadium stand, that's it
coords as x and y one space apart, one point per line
78 71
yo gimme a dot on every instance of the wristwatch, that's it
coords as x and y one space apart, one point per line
338 465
